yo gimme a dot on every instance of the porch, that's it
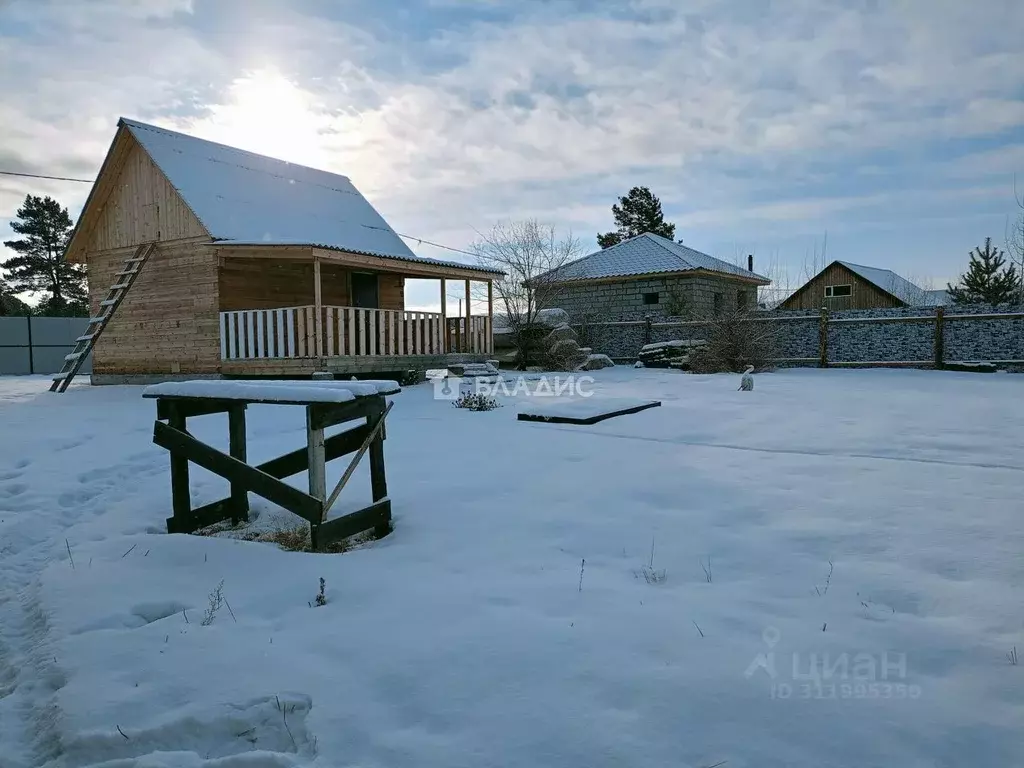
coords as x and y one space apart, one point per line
302 340
298 311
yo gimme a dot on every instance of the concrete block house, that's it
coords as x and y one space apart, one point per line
650 275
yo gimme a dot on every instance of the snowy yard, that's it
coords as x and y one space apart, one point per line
470 637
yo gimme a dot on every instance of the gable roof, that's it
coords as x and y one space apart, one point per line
646 254
888 281
885 280
243 198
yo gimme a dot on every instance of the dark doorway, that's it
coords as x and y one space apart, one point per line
364 290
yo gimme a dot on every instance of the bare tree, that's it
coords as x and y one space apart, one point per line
531 255
1015 238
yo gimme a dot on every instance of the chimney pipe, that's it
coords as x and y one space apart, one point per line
750 263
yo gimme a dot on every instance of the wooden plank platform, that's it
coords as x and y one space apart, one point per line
586 411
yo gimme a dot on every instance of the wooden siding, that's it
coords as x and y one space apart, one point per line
259 283
865 295
141 206
169 321
391 291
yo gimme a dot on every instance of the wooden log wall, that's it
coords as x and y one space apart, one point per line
169 321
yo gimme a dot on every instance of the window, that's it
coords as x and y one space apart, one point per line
718 303
650 298
741 300
835 291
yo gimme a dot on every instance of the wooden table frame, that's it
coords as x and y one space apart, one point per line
266 479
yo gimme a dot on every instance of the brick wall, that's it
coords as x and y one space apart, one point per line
625 300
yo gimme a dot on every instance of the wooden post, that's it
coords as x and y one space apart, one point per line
317 459
823 339
490 317
469 320
444 316
318 309
940 339
236 447
378 480
647 330
181 503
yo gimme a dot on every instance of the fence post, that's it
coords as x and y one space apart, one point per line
647 330
940 341
31 352
823 339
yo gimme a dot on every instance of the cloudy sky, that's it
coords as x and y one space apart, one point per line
896 126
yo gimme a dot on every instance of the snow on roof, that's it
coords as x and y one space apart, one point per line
642 255
939 298
274 391
889 281
251 199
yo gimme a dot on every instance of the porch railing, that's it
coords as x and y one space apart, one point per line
291 332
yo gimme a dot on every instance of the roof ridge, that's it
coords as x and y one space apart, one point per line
135 124
657 240
868 266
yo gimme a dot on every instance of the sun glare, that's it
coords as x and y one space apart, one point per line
264 112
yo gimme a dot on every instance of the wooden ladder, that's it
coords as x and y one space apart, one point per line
123 281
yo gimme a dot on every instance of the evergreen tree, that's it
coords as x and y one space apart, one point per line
9 303
39 265
988 280
637 213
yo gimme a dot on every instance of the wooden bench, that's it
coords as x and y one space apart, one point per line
327 404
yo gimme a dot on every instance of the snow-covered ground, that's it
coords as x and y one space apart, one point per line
836 581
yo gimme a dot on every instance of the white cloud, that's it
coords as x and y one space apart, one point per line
766 110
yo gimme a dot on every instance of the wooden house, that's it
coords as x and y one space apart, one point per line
842 285
260 268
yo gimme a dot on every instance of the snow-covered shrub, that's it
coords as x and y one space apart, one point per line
216 599
476 402
734 341
321 598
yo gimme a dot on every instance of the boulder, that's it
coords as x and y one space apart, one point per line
597 362
560 333
565 355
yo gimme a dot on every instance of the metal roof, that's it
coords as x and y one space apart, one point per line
646 254
242 197
889 281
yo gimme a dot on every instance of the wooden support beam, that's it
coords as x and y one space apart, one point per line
376 516
190 407
325 415
184 447
317 463
444 315
374 435
201 517
940 338
318 310
490 317
237 449
335 447
469 319
181 501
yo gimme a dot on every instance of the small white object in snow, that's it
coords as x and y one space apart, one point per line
638 364
747 381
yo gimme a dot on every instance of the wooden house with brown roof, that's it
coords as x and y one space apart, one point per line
206 260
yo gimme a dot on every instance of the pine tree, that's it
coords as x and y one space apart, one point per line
9 303
637 213
988 280
40 265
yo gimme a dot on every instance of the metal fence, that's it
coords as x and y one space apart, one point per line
38 344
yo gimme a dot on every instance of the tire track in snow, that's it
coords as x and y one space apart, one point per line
790 451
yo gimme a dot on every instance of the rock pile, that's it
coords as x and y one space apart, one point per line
670 354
